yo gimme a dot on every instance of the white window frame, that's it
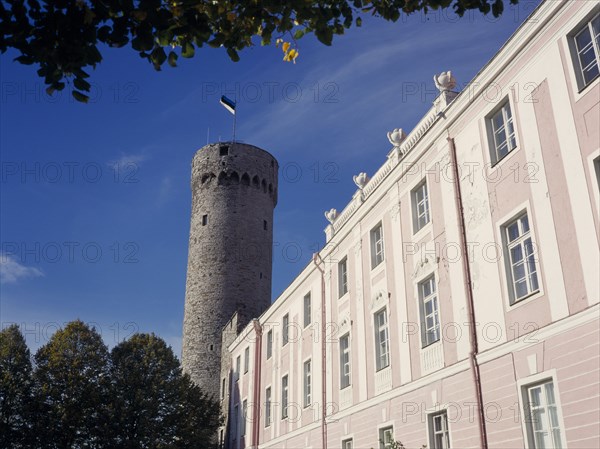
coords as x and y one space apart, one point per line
382 347
285 330
420 206
345 362
429 335
377 248
526 243
238 367
307 309
506 110
269 344
268 406
246 359
307 382
347 443
343 277
284 396
593 45
384 433
525 385
443 433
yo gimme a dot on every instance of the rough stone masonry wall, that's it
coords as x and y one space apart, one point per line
234 192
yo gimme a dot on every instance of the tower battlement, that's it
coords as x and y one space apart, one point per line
234 192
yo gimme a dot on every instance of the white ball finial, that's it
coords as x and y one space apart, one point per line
361 180
331 215
396 137
444 81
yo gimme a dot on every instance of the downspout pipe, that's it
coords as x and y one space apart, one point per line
317 260
257 387
469 290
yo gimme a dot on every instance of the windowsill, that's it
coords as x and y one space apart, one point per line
344 296
421 232
378 268
429 345
494 166
346 387
589 85
526 299
382 369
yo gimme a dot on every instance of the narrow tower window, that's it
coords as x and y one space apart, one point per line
204 220
223 150
265 225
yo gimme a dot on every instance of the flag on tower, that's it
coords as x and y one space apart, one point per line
229 104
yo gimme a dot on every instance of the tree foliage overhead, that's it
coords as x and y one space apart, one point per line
63 36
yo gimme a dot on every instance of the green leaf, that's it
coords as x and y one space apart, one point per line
233 54
172 60
299 33
82 98
81 84
188 50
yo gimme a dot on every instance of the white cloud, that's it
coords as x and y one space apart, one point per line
11 271
126 160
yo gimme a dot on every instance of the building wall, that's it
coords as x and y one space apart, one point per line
550 335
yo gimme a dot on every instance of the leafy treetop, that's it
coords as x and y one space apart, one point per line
63 36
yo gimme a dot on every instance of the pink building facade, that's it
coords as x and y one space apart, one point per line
456 301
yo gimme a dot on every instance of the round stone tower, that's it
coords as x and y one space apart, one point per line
234 192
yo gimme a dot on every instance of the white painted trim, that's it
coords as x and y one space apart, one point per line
499 227
522 385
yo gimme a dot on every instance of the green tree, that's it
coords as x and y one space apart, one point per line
63 37
72 389
155 406
15 389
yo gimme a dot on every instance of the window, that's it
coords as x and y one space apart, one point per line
244 413
238 367
307 383
285 329
343 277
345 361
420 206
268 407
307 311
270 344
376 246
430 318
347 444
204 220
265 225
522 269
223 388
381 340
439 438
586 42
597 170
386 437
246 359
502 132
284 397
541 416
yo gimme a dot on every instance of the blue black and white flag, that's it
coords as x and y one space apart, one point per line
229 104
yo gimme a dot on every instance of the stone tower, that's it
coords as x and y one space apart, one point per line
234 192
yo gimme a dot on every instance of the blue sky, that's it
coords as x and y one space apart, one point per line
95 199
